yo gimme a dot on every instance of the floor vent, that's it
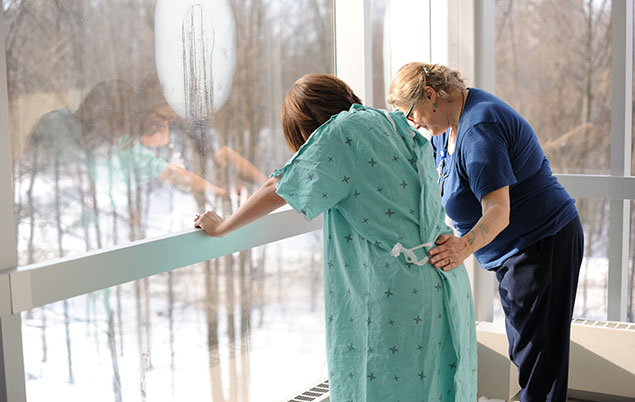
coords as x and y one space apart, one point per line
319 393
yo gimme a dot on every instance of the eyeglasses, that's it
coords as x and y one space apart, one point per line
409 113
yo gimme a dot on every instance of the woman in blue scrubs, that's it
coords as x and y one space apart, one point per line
509 211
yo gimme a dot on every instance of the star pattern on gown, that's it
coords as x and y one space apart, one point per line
385 191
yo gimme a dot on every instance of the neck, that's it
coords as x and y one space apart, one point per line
457 112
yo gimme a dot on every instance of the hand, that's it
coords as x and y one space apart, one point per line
209 222
450 252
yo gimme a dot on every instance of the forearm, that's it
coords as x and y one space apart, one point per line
246 169
262 202
187 181
494 220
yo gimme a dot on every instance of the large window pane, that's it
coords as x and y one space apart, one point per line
592 295
129 117
553 65
248 327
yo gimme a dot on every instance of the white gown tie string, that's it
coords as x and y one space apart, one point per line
409 254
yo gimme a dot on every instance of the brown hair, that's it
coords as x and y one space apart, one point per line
312 100
408 85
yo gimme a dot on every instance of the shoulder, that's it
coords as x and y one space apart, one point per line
344 124
56 125
484 107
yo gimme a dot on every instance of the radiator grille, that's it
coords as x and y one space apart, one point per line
315 394
605 324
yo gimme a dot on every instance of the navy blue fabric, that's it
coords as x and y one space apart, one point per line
496 147
537 289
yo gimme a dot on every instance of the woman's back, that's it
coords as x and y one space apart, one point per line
394 329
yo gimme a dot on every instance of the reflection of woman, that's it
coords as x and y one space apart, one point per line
155 117
509 210
396 328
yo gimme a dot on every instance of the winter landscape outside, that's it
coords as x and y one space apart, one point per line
111 146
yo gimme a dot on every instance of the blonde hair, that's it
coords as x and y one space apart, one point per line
409 84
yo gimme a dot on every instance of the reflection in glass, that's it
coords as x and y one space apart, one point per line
247 327
103 155
553 64
125 132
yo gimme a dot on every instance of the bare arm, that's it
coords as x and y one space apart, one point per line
187 181
263 201
245 168
451 251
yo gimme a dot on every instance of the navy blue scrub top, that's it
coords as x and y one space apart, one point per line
496 147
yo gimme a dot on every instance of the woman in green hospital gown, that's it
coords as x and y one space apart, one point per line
397 329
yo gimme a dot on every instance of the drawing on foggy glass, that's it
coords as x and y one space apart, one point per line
195 45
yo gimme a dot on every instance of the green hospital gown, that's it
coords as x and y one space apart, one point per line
395 331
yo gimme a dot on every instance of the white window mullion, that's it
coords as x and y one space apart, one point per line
12 384
621 116
353 47
470 47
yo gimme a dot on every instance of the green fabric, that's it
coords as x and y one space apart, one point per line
395 331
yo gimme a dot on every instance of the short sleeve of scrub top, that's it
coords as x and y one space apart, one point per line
485 156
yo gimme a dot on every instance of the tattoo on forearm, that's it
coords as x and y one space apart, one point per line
471 239
484 231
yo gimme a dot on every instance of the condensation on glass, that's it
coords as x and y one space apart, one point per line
126 119
553 65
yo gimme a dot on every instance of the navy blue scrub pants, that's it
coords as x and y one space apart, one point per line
537 290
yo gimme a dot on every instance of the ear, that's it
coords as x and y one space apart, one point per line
430 94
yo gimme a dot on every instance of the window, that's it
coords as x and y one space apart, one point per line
553 65
247 327
125 132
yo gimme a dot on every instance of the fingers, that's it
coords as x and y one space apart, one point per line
443 238
209 221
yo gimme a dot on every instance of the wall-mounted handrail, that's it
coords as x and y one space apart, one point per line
42 283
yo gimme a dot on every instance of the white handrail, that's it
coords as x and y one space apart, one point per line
42 283
598 186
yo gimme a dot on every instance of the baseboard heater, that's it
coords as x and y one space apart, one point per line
318 393
602 364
